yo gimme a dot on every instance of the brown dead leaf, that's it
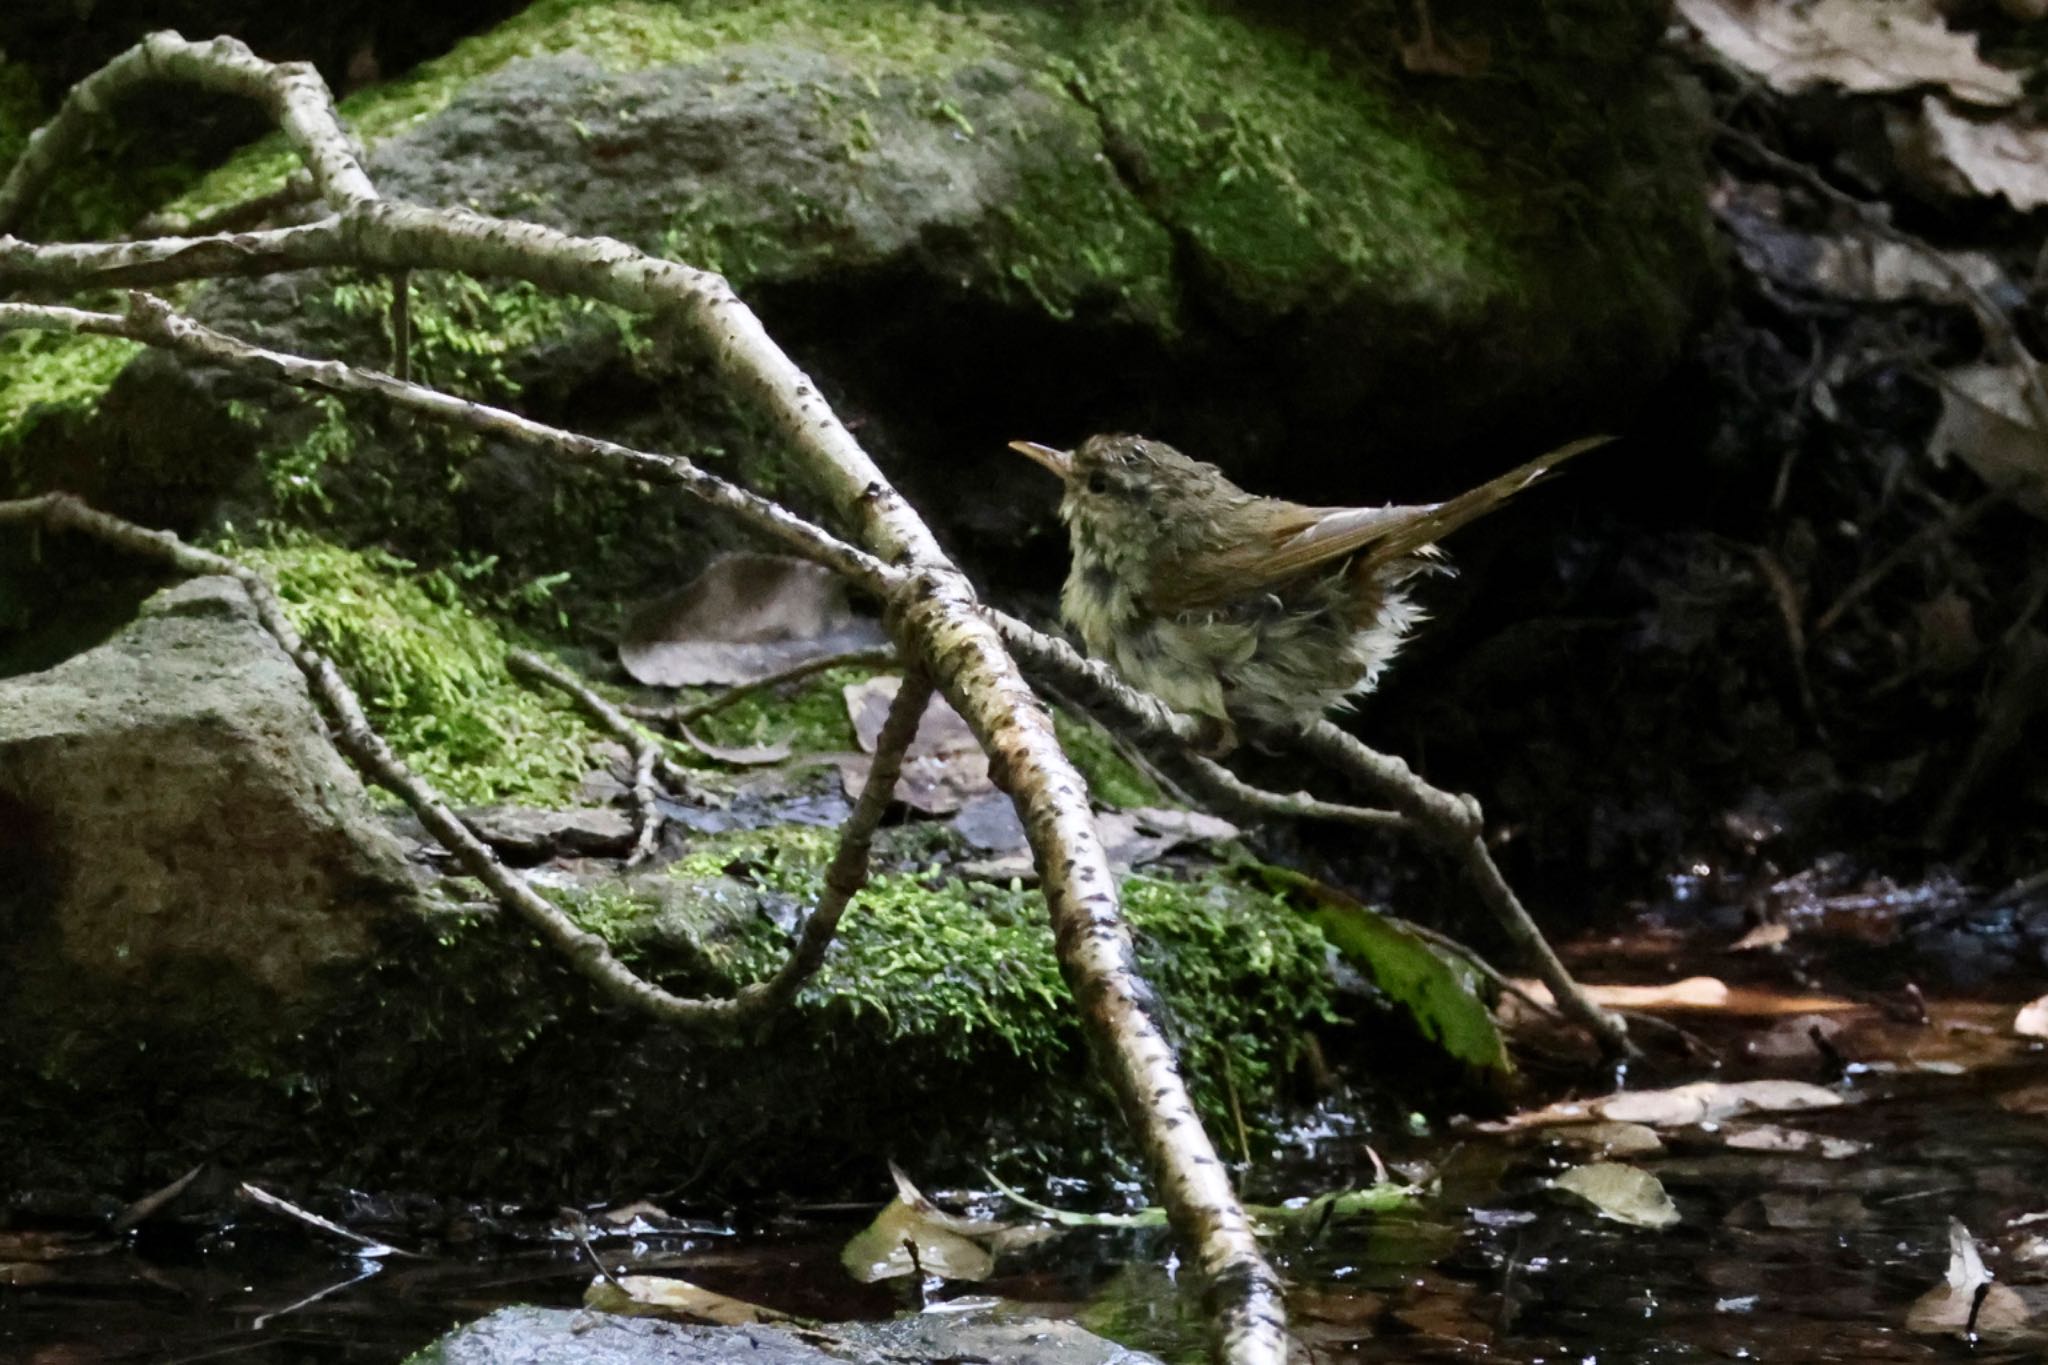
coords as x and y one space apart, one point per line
943 769
1611 1139
1987 422
1773 935
1954 1305
1694 992
2032 1020
745 617
1857 45
1699 1102
1964 156
644 1296
1712 1101
1771 1137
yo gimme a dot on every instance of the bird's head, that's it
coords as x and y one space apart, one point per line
1118 486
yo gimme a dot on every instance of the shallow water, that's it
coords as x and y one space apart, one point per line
1777 1257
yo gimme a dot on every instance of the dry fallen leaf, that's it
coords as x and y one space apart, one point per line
2032 1020
1699 1102
1611 1139
1858 45
1627 1194
1954 1305
1964 156
950 1245
1770 1137
1694 992
943 769
1987 422
1772 935
745 617
644 1296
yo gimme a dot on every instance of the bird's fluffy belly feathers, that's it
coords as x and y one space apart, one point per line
1265 660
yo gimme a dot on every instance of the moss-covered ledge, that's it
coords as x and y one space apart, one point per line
457 1054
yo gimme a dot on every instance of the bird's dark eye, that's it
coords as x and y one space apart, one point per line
1098 482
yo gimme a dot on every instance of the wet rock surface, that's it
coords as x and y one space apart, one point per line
562 1337
183 846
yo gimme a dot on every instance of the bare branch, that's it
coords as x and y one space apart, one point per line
153 322
293 93
644 748
1227 787
848 872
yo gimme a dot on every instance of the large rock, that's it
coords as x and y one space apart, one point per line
1257 237
514 1336
180 846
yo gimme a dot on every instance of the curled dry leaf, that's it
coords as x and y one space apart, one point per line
1858 45
1955 1306
1612 1139
647 1296
1987 422
743 618
1770 1137
1699 1102
1964 156
943 769
1772 935
1627 1194
949 1245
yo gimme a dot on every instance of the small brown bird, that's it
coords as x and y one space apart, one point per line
1236 607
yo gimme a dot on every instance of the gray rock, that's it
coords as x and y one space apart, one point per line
522 834
188 848
517 1336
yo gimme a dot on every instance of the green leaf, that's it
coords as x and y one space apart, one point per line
1438 989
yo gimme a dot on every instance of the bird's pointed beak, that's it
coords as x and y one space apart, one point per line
1060 462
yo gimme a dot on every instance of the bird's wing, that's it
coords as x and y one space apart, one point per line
1293 540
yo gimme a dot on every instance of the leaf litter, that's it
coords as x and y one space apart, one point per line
746 617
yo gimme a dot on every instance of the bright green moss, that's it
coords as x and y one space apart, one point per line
1293 179
430 673
51 374
967 966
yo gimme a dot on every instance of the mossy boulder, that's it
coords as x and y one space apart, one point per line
183 849
218 948
1251 234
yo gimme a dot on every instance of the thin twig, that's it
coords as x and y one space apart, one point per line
879 657
1454 824
645 748
848 871
152 321
293 92
1930 534
401 326
245 213
1227 787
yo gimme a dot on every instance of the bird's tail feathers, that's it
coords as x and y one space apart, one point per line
1435 522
